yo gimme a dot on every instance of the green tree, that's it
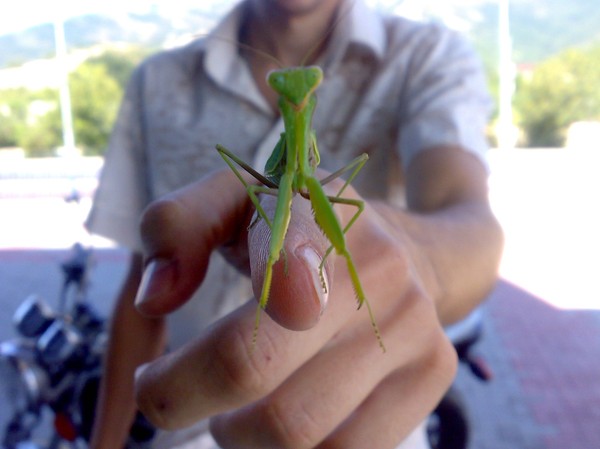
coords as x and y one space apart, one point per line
30 120
43 136
95 98
8 127
119 64
96 91
13 113
562 90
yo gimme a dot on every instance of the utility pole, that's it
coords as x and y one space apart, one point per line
505 131
65 96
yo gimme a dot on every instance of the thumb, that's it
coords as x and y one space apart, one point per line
180 231
299 288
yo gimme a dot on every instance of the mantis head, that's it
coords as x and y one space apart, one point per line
295 84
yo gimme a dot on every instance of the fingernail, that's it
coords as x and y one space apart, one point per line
319 277
158 277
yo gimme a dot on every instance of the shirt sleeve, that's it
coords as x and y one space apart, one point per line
446 101
122 193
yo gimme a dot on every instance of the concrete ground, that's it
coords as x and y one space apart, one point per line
541 323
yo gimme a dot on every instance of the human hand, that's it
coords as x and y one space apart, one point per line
327 386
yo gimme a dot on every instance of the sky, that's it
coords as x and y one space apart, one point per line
21 14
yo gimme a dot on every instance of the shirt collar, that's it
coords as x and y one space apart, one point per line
223 63
221 45
363 26
360 25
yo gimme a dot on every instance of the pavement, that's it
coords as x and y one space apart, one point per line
545 393
541 323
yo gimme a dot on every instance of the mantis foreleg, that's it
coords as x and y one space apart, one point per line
279 227
252 190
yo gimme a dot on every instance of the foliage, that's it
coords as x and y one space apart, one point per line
13 112
22 124
44 135
8 125
562 90
95 98
96 89
120 64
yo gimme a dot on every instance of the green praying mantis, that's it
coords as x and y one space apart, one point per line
290 170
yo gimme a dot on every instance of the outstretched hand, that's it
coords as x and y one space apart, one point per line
330 383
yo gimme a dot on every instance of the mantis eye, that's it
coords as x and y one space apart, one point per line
313 77
276 80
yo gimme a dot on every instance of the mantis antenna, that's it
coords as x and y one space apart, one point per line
339 16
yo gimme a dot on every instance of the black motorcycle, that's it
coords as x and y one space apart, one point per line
448 426
54 366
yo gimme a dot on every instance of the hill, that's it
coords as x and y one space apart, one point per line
540 28
150 30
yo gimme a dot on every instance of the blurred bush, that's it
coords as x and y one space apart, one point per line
560 91
31 119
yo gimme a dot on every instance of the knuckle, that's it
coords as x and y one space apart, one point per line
159 223
414 317
156 411
241 371
290 424
443 359
432 350
155 402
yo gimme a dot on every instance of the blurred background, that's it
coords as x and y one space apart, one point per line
63 69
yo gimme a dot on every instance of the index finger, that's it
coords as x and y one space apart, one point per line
180 231
222 370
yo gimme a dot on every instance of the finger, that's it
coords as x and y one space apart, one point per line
221 370
298 293
325 391
310 404
300 287
180 231
399 404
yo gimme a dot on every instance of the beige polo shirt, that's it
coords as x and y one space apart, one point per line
392 89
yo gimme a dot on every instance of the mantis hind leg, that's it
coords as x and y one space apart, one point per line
355 165
328 222
230 158
360 205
